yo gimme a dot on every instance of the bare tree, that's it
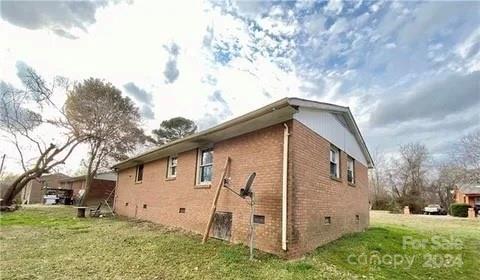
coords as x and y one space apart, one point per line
21 119
408 176
448 176
380 197
465 155
97 111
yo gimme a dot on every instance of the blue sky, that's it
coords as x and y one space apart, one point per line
408 70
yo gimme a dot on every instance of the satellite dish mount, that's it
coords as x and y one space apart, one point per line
245 192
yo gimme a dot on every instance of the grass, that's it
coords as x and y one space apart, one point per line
50 243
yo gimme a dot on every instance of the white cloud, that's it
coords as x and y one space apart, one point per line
253 52
470 50
339 26
335 6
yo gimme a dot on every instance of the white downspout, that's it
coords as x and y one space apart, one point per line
284 187
116 194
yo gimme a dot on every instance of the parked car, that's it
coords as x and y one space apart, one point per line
50 199
434 209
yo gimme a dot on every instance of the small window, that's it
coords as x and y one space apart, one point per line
139 173
328 220
357 218
144 206
334 162
205 166
126 203
181 210
258 219
351 170
172 167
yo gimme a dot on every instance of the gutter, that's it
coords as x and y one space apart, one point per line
249 116
284 186
115 195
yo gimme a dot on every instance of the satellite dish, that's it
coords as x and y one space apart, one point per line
246 191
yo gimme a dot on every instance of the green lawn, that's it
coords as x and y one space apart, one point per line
50 243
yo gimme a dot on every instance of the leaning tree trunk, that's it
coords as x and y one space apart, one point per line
44 164
16 187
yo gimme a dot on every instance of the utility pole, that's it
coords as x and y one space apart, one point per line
1 166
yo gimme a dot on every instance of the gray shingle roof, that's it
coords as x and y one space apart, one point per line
470 188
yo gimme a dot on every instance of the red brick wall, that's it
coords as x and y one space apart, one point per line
460 197
259 151
313 195
99 190
76 186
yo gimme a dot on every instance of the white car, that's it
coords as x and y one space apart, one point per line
434 209
50 199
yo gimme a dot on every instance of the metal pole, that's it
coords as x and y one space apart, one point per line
252 225
1 166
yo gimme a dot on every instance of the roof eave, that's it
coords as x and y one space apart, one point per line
251 116
338 109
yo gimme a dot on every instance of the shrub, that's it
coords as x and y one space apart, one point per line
459 209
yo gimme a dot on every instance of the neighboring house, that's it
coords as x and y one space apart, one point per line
103 187
469 194
311 183
36 189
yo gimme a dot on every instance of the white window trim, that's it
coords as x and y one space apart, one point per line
170 165
199 166
336 152
352 160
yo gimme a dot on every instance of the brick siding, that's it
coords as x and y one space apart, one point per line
311 193
259 151
99 191
314 195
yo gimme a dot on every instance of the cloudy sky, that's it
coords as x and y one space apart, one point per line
409 71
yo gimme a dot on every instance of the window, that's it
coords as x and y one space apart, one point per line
172 167
139 174
259 219
126 203
205 166
351 170
357 218
181 210
334 162
328 220
144 206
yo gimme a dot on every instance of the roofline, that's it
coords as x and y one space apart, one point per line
53 174
284 102
248 116
337 108
81 177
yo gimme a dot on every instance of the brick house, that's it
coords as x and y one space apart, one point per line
469 194
35 190
102 185
311 186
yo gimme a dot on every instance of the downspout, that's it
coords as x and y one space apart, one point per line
115 194
284 186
